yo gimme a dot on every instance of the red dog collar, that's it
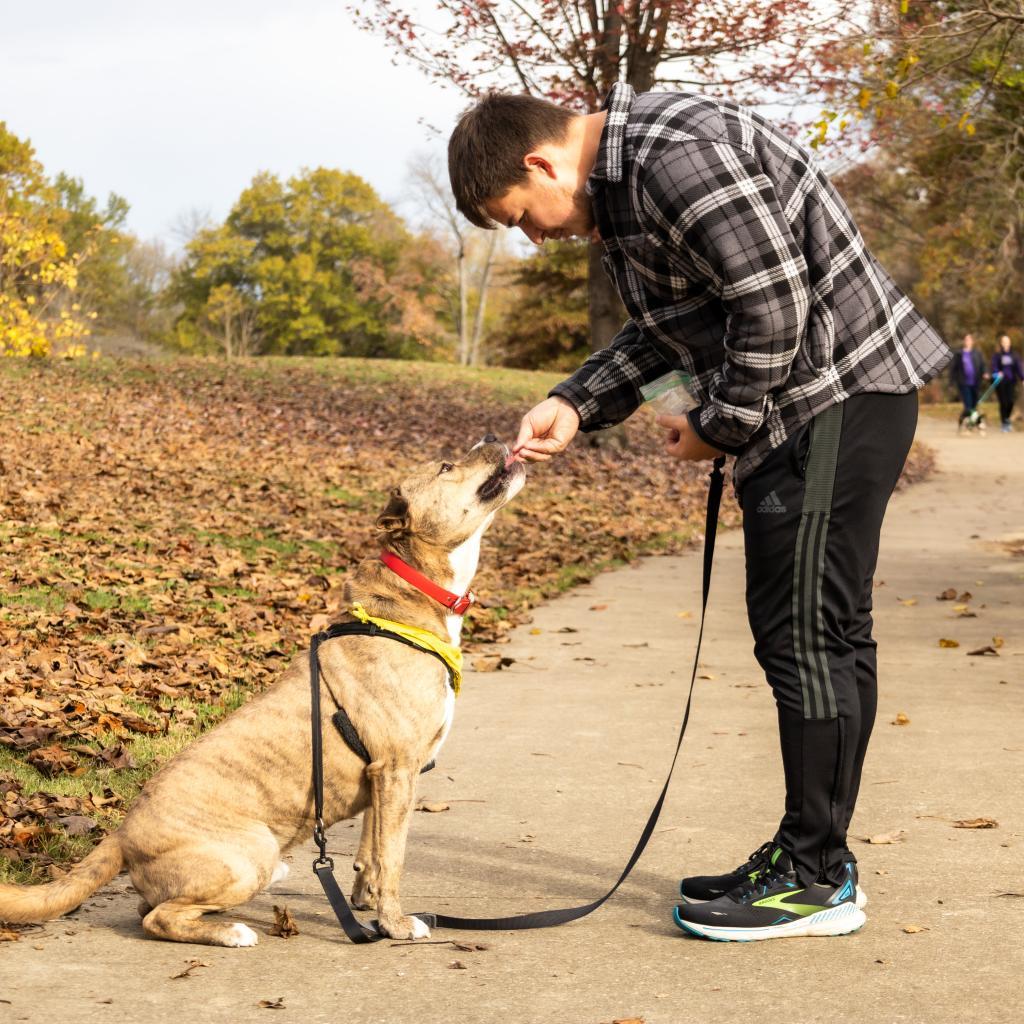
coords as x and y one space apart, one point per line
459 605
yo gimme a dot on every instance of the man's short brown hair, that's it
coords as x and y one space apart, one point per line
486 150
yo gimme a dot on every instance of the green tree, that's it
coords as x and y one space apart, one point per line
316 265
939 89
549 326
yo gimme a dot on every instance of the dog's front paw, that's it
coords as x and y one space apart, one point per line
364 892
406 928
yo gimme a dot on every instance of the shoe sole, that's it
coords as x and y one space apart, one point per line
862 898
841 920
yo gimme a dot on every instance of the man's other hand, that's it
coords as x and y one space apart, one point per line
683 442
547 430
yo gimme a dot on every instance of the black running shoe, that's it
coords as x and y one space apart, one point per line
774 905
701 888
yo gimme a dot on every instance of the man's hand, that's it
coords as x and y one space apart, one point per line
682 440
547 430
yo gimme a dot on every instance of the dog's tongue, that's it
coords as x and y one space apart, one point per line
513 458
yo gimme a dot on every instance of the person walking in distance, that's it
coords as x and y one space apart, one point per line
967 370
1008 365
742 270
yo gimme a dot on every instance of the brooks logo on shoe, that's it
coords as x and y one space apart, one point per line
771 503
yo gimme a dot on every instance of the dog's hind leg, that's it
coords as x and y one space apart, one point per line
181 920
365 866
393 787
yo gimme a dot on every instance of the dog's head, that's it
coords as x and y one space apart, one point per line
446 502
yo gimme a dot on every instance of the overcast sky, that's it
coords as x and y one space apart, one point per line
176 106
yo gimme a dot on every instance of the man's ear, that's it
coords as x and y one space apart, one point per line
395 518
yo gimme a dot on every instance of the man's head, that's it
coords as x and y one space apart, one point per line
518 161
1005 344
968 342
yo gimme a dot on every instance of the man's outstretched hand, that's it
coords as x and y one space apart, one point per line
546 430
682 440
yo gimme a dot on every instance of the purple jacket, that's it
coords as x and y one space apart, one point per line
1009 365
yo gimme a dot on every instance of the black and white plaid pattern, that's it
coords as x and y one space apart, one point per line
739 264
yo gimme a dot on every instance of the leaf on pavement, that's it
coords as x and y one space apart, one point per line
976 823
430 807
886 838
284 925
944 642
901 719
949 594
980 652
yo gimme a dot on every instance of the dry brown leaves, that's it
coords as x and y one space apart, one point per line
284 925
173 529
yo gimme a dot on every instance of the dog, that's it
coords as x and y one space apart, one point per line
208 831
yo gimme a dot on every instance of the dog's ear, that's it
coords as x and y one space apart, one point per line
395 518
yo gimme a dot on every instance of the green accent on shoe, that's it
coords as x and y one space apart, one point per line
780 902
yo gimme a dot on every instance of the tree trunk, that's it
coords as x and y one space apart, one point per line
478 320
463 307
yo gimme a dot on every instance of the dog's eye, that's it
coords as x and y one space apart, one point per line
446 467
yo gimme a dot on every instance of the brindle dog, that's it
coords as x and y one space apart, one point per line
209 829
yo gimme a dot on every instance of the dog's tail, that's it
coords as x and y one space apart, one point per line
20 904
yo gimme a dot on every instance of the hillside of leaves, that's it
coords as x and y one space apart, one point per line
171 532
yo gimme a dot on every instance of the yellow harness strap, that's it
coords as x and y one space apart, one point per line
451 654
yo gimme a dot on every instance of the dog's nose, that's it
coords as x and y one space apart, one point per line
489 439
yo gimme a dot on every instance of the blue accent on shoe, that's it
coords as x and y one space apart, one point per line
844 893
692 931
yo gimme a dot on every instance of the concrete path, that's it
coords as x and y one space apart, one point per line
551 771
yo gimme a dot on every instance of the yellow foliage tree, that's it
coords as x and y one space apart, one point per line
37 275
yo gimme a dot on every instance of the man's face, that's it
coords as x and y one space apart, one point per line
548 204
968 342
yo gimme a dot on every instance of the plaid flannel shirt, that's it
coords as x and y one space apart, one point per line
739 265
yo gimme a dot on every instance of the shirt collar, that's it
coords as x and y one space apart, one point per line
608 166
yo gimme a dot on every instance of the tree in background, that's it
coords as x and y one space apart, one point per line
472 250
940 86
547 326
573 51
38 272
316 265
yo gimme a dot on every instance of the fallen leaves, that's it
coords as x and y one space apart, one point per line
431 807
914 929
272 1004
886 838
900 719
944 642
980 652
284 926
976 823
491 662
192 965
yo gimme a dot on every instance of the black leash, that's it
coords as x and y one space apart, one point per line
323 866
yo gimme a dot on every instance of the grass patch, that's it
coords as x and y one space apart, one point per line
49 599
148 751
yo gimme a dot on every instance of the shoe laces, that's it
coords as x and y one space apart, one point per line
760 857
759 885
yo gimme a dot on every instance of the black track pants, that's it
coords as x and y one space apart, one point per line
812 514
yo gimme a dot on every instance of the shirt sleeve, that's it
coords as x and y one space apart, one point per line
605 390
714 202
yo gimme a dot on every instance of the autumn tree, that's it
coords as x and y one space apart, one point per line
315 265
38 272
547 292
940 88
573 51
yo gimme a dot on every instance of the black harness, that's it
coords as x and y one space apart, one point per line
340 718
323 866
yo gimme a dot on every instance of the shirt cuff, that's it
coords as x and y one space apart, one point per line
582 401
694 416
